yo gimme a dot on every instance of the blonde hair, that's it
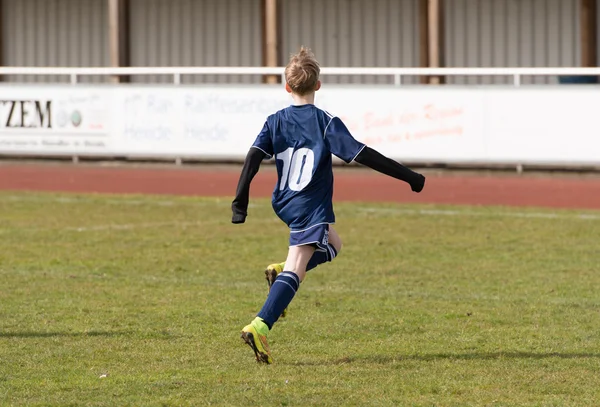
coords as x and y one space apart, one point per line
302 72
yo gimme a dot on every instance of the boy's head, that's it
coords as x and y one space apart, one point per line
302 73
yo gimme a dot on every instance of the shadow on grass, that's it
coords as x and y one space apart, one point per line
91 334
385 359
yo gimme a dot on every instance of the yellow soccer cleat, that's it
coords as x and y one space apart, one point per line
257 340
271 273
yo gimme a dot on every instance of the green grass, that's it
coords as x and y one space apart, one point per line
425 306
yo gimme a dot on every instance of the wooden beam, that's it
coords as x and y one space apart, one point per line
423 38
118 35
113 35
263 32
442 37
589 33
434 22
1 39
270 36
124 36
280 51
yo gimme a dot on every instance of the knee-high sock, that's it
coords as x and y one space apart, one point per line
281 294
320 257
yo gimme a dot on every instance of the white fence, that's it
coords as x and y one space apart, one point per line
527 125
396 73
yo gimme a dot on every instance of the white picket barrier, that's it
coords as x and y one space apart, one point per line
550 125
397 73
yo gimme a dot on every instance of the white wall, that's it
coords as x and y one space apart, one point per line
555 125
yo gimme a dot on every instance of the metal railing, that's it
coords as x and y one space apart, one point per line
397 73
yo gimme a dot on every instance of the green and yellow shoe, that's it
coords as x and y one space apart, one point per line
255 336
271 273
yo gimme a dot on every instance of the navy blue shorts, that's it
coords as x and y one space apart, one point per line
317 235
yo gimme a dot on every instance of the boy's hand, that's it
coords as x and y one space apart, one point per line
418 184
238 218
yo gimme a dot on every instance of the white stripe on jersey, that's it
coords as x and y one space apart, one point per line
258 148
326 127
331 117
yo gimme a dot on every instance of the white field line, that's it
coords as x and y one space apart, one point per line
150 225
502 214
132 226
127 226
124 201
224 202
111 226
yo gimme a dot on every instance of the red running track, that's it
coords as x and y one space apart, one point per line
350 185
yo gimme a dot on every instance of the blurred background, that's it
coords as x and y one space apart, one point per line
342 33
442 117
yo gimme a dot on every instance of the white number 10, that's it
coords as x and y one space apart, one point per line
297 168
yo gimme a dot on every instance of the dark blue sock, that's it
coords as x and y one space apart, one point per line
316 259
321 257
281 294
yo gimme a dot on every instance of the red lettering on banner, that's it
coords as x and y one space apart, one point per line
435 113
372 121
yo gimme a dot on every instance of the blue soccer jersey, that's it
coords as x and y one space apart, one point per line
302 139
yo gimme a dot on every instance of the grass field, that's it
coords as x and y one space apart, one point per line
115 301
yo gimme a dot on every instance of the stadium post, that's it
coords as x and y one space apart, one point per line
118 34
270 33
588 33
424 38
434 22
1 42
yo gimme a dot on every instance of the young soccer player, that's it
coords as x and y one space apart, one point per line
302 138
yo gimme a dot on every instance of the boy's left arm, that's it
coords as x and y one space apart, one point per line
239 206
378 162
343 145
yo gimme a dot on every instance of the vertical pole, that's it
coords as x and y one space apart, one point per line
113 36
423 38
124 36
589 33
434 37
441 38
1 38
270 34
517 79
118 36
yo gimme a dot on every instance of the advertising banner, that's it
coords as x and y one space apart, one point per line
55 120
541 124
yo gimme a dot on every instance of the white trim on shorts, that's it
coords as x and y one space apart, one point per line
309 243
310 227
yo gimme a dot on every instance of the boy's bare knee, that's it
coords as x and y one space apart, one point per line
338 246
335 240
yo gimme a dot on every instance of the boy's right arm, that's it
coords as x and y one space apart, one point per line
239 206
377 161
261 149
